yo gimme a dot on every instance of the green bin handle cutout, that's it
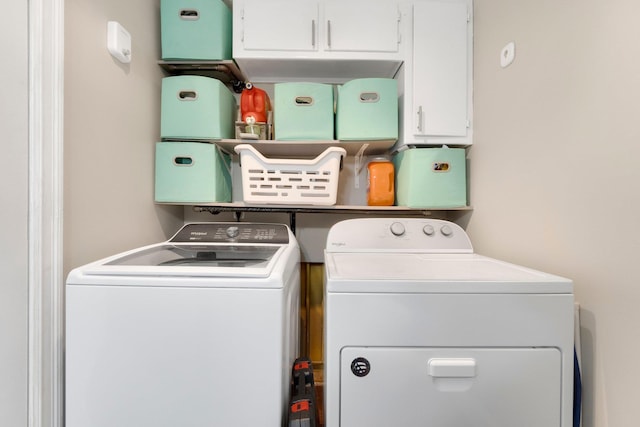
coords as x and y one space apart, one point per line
189 14
183 161
187 95
303 100
369 97
441 167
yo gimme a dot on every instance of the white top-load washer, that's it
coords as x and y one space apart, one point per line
201 330
421 331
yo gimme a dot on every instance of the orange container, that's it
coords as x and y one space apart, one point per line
381 183
254 102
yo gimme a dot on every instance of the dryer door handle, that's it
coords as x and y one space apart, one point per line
452 368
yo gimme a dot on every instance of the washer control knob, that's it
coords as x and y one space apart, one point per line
397 229
233 232
428 230
446 230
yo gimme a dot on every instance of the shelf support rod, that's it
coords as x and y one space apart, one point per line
292 222
358 166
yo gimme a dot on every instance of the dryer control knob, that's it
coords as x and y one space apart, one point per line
397 229
428 230
446 230
233 232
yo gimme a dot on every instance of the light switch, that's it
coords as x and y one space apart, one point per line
119 42
507 54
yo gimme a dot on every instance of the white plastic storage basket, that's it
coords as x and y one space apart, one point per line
290 181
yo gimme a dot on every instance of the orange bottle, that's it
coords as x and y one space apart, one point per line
381 190
254 102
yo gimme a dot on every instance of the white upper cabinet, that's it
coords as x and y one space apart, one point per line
427 45
440 68
361 26
328 40
437 106
281 25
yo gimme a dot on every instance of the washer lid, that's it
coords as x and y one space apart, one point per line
435 273
186 255
191 260
202 250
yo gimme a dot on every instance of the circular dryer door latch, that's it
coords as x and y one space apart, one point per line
360 367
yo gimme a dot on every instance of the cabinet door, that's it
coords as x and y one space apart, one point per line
289 25
440 61
361 26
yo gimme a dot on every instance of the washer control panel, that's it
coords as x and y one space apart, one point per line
399 235
237 232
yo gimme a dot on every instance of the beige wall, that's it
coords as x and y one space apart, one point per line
14 199
554 170
112 120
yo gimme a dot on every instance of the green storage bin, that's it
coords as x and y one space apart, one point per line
192 172
431 177
195 108
195 29
303 111
367 109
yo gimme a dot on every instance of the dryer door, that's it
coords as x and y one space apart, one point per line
480 387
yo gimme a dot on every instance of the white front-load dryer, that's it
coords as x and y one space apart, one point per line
201 330
421 331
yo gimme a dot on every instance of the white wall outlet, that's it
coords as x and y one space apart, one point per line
119 42
508 54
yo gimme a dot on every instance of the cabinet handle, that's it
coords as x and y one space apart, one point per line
313 33
420 119
329 34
